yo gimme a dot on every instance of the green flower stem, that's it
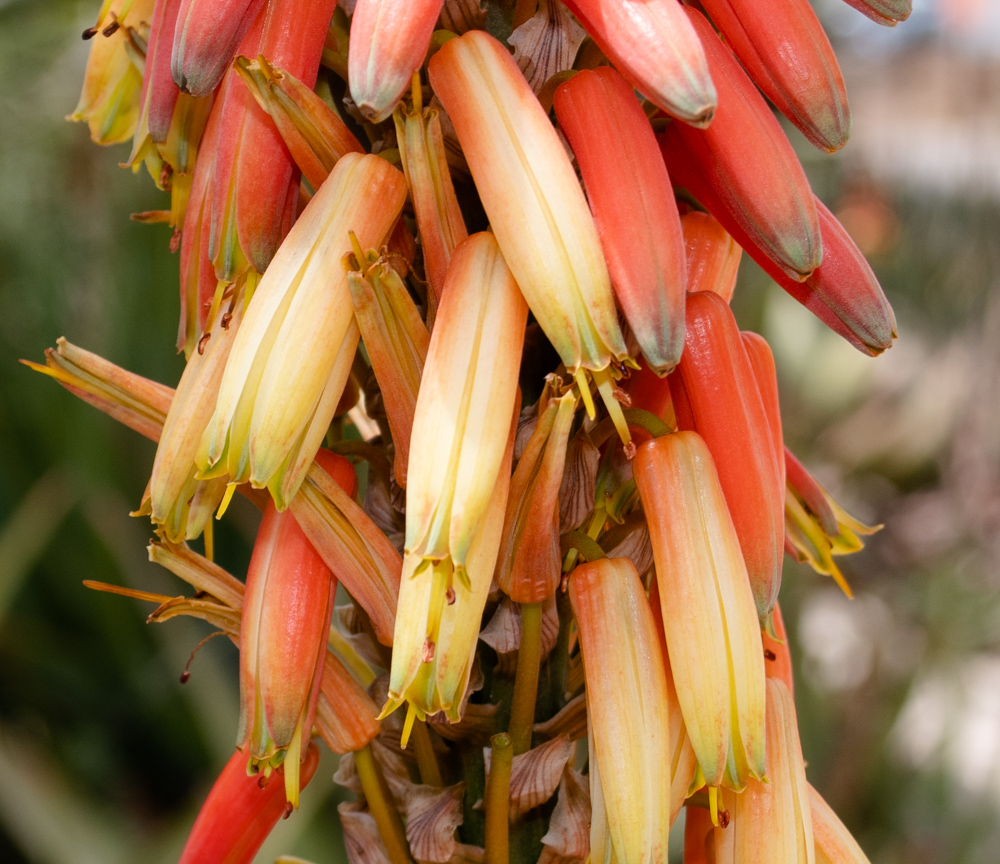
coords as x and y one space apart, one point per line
390 826
427 764
522 710
497 800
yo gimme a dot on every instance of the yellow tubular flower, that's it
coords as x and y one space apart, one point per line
294 350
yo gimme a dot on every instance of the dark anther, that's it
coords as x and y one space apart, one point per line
769 654
630 451
449 595
89 33
175 240
288 810
226 320
723 818
185 676
261 781
203 342
111 29
622 397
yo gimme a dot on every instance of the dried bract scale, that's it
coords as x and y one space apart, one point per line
112 84
425 162
713 256
709 619
240 812
294 350
771 821
535 204
546 44
529 567
654 46
389 40
627 710
787 54
312 131
746 164
623 173
716 394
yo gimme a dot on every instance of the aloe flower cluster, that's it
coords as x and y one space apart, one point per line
454 296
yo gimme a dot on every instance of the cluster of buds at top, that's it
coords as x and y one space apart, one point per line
528 564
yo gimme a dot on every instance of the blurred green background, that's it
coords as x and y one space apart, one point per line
105 756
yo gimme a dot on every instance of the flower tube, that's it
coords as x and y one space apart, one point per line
627 710
294 350
623 172
713 257
709 618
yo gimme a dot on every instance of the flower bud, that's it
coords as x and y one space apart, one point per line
771 821
657 50
240 812
716 394
886 12
389 40
530 563
713 257
787 54
294 350
710 622
766 375
623 172
532 197
627 712
744 161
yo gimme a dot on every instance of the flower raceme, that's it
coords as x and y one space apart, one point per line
455 475
746 164
240 812
709 618
657 50
628 713
535 204
786 52
716 394
389 39
623 172
287 607
293 353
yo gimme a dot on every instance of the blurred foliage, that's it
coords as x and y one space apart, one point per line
105 757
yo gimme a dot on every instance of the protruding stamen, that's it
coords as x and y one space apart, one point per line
411 716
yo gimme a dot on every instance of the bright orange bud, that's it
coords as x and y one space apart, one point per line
834 843
745 161
787 54
389 39
654 46
530 563
240 812
627 713
709 619
205 40
716 382
313 133
624 173
886 12
713 257
770 822
286 617
766 375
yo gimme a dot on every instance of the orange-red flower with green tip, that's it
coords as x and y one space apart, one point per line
787 54
633 205
744 159
885 12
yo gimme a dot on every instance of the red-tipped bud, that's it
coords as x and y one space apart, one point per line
726 409
389 39
713 257
654 46
205 40
239 813
746 162
624 173
785 51
885 12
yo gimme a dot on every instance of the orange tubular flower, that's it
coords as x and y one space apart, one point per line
745 161
159 92
286 618
698 836
766 375
627 710
713 257
716 394
886 12
536 206
656 49
389 40
709 618
205 40
239 813
787 54
834 843
777 655
771 821
623 172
